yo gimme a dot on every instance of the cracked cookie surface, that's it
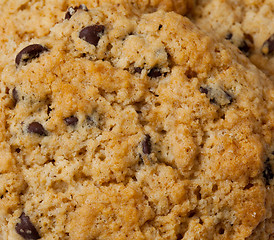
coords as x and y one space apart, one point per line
133 126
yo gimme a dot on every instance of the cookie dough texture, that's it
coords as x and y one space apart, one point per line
22 20
248 24
155 131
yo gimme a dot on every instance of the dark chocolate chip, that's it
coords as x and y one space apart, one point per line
7 90
160 27
213 101
244 47
72 10
37 128
221 231
247 44
49 109
154 72
191 213
248 186
52 161
217 96
138 70
26 229
83 7
28 53
15 96
179 236
203 90
228 36
146 145
92 34
72 120
268 173
191 74
268 46
18 150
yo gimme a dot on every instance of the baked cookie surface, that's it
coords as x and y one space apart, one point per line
22 20
125 126
248 24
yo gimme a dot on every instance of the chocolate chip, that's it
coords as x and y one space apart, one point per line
191 74
49 109
248 186
138 70
191 213
221 231
179 236
228 36
154 72
268 173
15 96
37 128
72 10
244 48
71 120
203 90
83 7
160 27
217 95
26 229
92 34
28 53
18 150
213 101
7 90
146 145
268 46
247 44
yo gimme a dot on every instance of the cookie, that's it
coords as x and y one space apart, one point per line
22 20
247 24
120 125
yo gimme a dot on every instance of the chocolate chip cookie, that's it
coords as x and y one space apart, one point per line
22 20
247 24
120 125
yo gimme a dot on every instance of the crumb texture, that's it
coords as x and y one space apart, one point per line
247 24
121 125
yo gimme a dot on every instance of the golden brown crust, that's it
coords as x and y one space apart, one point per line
172 134
247 24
